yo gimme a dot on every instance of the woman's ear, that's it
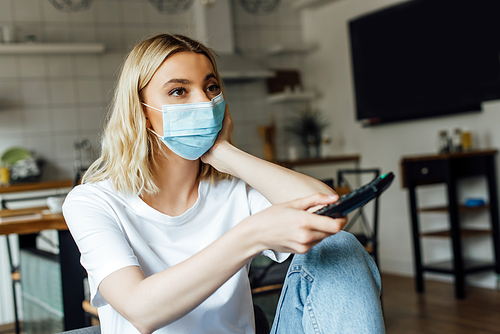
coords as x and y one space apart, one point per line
145 112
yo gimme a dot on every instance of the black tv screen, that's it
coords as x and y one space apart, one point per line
425 58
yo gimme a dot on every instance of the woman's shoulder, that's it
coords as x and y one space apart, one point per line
222 190
225 184
91 188
99 193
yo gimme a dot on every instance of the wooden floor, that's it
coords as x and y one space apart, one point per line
434 312
437 311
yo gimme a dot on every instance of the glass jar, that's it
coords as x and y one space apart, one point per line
443 142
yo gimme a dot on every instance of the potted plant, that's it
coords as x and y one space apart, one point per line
308 126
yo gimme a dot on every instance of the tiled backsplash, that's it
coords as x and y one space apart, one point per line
49 101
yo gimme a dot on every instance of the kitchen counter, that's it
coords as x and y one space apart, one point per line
19 187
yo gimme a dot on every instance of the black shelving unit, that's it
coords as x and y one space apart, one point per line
448 169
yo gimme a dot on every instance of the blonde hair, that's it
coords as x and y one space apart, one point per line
128 150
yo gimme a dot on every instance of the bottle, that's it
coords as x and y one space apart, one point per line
443 142
466 140
457 140
4 175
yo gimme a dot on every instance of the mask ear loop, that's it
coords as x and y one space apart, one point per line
148 125
153 131
147 105
150 129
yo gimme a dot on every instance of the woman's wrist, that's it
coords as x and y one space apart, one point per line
248 235
220 156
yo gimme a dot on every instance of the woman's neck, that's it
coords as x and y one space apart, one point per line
178 181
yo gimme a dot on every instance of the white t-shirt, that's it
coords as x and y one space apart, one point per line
114 230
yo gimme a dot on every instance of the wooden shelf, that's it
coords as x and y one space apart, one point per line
464 233
246 75
317 161
292 97
281 49
52 48
461 209
301 4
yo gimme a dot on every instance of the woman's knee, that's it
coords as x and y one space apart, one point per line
339 247
340 254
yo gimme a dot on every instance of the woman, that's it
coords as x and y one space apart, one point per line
170 215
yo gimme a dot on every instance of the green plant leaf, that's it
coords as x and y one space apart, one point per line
13 155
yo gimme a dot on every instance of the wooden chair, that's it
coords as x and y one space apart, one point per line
261 322
368 237
268 279
91 315
85 330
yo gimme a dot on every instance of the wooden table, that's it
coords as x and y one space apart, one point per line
48 221
448 169
72 272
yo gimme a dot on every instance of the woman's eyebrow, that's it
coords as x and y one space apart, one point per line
181 81
209 76
187 81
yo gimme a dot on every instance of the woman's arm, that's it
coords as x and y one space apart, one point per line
153 302
276 183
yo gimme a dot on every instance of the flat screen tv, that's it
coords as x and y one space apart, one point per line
425 58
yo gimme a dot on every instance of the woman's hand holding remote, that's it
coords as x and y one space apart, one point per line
288 227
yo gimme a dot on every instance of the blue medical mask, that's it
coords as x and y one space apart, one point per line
190 129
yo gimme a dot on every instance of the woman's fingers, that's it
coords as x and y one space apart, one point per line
327 224
312 201
314 228
223 137
315 202
342 222
301 244
227 125
289 227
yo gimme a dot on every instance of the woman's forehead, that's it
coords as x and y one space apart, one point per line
185 65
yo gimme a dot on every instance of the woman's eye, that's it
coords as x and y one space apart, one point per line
177 92
213 88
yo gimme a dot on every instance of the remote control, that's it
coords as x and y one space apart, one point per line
358 197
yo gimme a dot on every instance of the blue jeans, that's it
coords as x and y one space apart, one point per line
333 288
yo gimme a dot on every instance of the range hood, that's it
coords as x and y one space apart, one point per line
213 25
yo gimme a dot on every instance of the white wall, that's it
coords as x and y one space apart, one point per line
49 101
329 69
